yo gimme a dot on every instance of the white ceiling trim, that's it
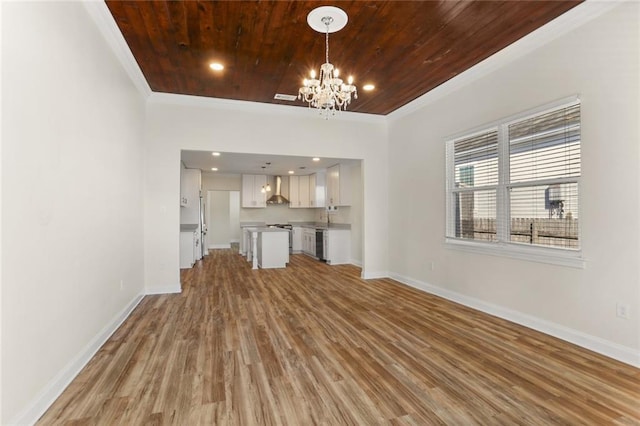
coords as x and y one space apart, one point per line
107 26
247 106
563 24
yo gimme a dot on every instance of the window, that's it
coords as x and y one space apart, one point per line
512 187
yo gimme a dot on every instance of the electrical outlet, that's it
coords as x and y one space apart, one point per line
622 310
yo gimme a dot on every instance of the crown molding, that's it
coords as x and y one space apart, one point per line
563 24
258 107
107 26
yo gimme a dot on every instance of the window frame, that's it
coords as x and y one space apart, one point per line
503 246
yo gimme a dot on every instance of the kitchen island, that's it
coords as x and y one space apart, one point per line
266 247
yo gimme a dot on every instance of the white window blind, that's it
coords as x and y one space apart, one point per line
544 167
517 182
476 180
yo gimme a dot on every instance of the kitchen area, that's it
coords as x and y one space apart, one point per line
312 208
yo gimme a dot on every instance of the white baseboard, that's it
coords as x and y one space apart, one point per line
219 246
372 275
170 289
612 350
43 400
356 263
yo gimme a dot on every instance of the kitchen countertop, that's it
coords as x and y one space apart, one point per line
321 225
252 224
265 229
189 227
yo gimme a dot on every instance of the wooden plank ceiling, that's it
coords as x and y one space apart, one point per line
404 48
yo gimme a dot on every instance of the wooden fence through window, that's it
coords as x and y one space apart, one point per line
546 232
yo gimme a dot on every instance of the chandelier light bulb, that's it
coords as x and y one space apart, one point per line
313 73
350 79
337 72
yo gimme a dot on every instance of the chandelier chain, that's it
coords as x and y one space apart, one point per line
327 43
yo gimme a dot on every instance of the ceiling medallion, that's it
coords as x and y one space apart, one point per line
328 93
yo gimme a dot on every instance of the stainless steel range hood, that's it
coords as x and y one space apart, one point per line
277 198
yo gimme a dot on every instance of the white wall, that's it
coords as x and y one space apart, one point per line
72 209
189 123
221 182
1 274
600 62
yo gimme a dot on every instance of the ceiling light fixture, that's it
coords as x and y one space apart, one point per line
215 154
328 92
216 66
214 169
316 159
266 189
368 87
291 172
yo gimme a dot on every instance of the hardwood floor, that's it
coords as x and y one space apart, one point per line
315 344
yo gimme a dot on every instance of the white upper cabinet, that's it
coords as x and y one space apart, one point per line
317 189
298 192
303 191
252 195
189 187
294 189
338 185
312 190
190 181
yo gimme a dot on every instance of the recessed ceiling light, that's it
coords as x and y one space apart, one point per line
316 159
291 172
215 154
215 169
216 66
368 87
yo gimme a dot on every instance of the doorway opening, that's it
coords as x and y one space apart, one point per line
223 219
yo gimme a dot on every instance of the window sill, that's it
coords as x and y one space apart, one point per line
551 256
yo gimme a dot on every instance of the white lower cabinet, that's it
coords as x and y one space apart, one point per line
273 249
337 246
188 248
309 241
296 239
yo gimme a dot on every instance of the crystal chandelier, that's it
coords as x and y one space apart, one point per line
328 93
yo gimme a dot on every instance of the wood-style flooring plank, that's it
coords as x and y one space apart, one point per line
315 344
